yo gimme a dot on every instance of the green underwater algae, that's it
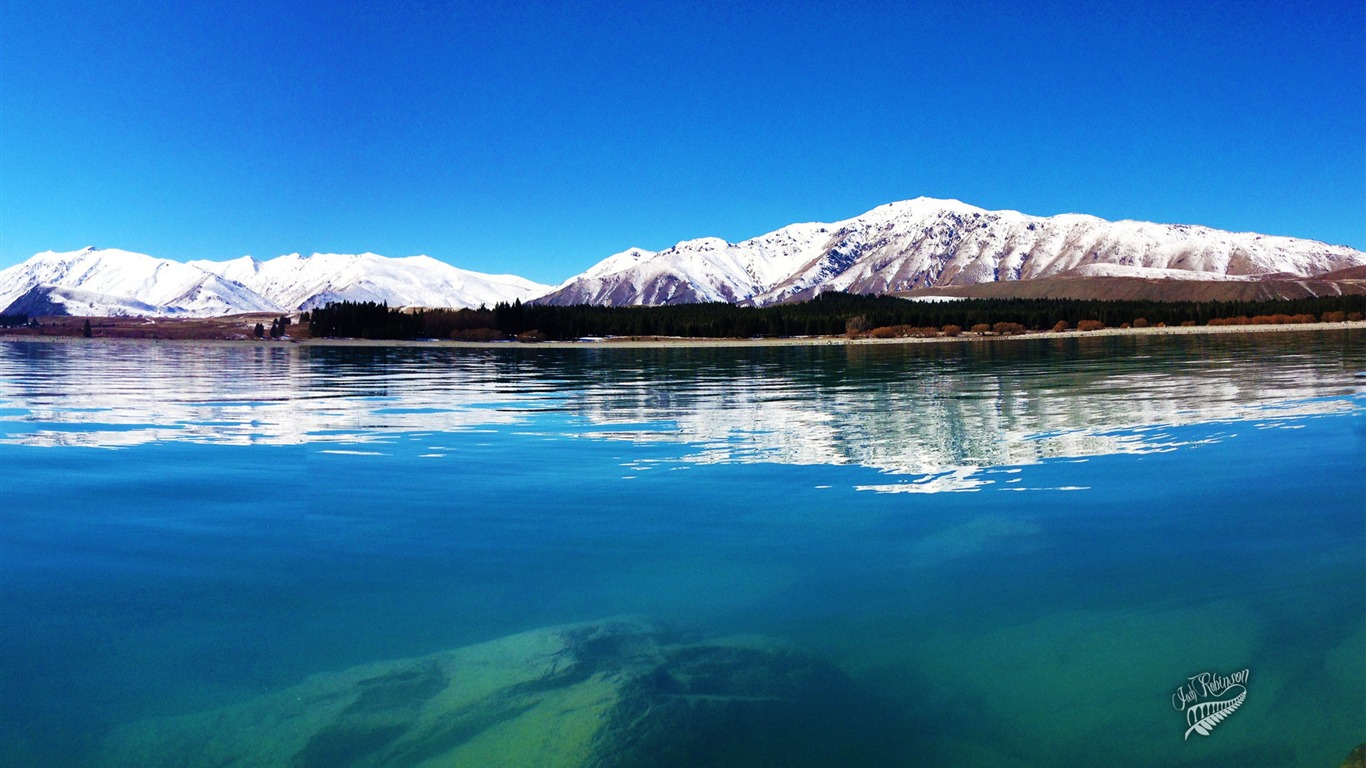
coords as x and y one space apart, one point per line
613 694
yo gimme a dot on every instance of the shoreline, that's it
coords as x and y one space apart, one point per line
698 342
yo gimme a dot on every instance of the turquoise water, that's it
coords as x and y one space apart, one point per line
1018 550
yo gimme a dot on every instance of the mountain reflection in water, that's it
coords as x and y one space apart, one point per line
941 411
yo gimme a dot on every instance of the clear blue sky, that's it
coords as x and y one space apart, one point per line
537 138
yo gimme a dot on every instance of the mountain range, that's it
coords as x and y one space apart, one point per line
111 282
912 247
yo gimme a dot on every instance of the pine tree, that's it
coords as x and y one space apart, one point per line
86 330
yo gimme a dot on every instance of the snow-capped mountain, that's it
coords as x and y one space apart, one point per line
305 282
112 282
708 269
928 243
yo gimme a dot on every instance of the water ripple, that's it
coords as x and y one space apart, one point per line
932 411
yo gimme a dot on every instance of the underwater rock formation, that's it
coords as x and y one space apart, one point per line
609 694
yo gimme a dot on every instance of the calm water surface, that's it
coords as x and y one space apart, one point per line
1020 550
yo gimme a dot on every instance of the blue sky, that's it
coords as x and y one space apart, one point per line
538 138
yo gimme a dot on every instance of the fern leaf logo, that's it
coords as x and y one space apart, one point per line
1204 716
1207 698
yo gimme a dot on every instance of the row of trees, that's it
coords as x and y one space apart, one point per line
827 315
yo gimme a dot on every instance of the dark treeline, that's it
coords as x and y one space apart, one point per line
13 321
365 320
827 315
368 320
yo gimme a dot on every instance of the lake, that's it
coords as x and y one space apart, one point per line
1015 553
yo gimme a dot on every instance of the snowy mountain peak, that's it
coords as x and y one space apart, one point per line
702 244
923 206
617 262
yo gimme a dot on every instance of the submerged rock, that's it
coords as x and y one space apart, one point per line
609 694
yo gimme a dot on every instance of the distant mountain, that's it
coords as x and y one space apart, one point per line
305 282
112 282
927 243
708 269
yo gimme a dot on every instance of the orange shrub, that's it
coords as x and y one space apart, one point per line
981 328
1090 325
1141 322
1060 327
1335 317
902 331
952 330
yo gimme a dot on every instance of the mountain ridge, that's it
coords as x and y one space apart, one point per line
918 245
926 243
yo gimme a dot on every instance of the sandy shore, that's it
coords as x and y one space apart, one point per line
664 343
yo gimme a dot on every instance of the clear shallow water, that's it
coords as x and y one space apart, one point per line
1020 549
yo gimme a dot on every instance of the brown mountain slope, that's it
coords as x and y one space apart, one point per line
1149 289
